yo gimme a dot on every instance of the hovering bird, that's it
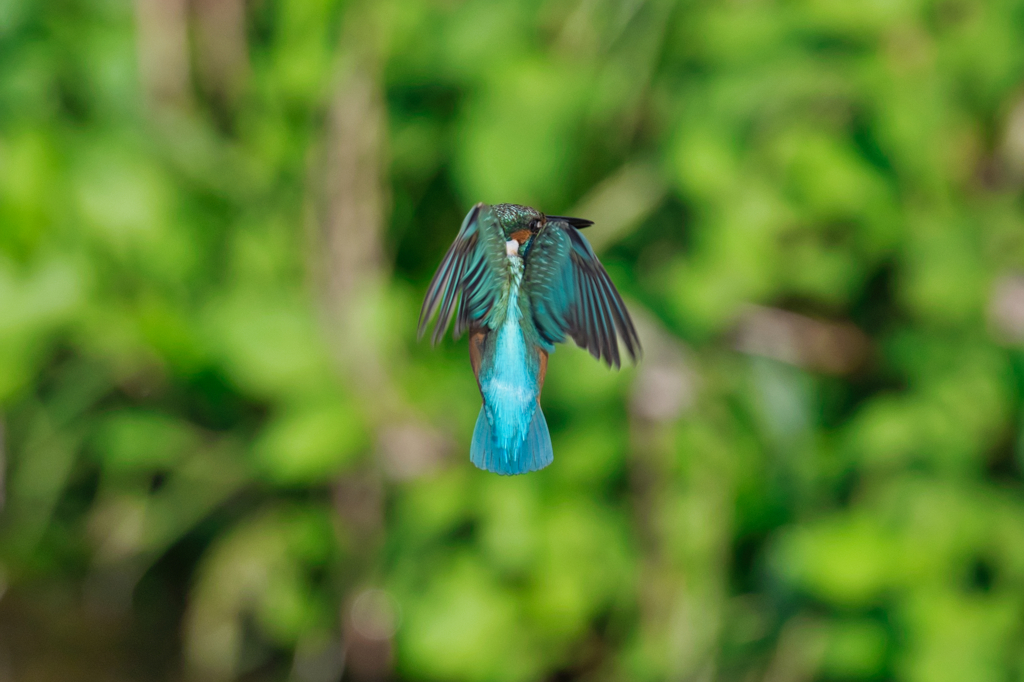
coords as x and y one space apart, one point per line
524 282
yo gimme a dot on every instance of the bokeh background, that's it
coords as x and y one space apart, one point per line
226 457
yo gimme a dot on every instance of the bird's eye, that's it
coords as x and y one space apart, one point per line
535 224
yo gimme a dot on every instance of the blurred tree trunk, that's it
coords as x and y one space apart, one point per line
348 258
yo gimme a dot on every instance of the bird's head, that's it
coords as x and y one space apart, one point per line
522 223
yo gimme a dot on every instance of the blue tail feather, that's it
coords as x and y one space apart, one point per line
532 454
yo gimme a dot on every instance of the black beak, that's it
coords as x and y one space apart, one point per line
578 223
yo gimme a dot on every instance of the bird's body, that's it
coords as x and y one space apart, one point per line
524 282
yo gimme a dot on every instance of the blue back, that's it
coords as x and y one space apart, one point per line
511 435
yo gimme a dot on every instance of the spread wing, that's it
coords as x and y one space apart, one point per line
475 267
571 294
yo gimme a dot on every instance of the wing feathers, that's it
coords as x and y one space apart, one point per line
471 272
571 294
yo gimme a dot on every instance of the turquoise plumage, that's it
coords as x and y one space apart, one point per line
524 281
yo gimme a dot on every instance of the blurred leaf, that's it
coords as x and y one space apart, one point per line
142 441
849 562
465 626
309 443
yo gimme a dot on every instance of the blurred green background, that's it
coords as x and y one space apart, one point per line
225 456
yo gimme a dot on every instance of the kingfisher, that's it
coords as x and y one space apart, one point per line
524 281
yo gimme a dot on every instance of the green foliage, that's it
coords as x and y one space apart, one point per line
224 451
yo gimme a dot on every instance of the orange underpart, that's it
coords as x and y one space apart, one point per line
476 351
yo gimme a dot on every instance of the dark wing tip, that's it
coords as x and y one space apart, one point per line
578 223
421 329
629 336
636 352
426 312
